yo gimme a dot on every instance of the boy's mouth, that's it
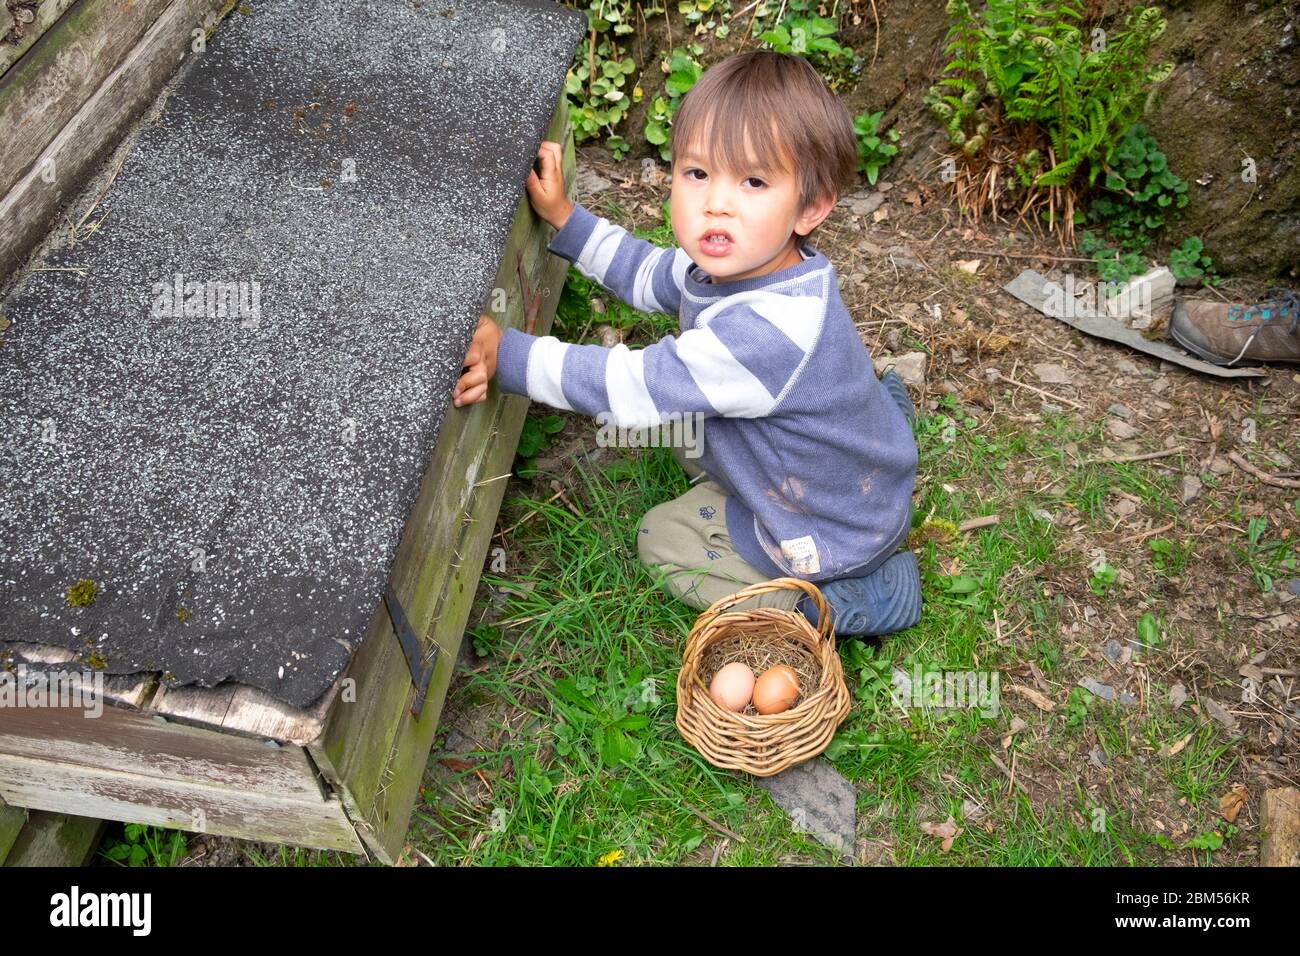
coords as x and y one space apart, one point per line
716 242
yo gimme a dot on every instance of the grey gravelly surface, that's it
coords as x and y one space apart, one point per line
236 484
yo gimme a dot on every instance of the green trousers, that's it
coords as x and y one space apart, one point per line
687 540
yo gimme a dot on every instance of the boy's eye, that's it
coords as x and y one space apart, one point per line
690 173
758 183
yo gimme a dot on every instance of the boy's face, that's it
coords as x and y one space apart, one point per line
738 224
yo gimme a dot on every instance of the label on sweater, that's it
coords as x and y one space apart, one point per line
802 555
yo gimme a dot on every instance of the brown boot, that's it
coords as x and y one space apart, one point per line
1228 334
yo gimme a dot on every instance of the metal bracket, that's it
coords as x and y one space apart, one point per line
532 297
421 670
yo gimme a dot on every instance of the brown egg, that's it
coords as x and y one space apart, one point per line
776 689
732 686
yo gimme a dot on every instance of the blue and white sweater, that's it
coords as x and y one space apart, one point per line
817 460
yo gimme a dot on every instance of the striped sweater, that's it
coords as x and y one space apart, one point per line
817 460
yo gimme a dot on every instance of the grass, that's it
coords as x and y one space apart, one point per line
572 701
590 767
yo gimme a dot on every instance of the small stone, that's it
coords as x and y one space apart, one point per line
903 258
1220 466
1120 411
910 367
863 203
1177 696
1018 724
1120 430
1052 374
1097 757
1191 488
1123 508
1219 713
1097 688
591 183
1294 586
1112 650
819 800
1127 700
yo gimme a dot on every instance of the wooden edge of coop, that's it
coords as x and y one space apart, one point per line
68 99
40 838
344 774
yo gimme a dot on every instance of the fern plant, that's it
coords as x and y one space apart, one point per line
1027 62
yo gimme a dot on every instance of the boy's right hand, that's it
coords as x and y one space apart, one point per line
546 192
480 364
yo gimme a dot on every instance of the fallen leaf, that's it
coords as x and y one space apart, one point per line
1172 750
946 831
1230 803
912 197
880 215
971 266
1033 696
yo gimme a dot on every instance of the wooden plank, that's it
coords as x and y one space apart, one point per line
12 821
234 708
55 839
123 765
29 209
47 14
1279 827
249 711
124 690
60 72
372 751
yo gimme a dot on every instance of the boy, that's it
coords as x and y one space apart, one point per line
808 459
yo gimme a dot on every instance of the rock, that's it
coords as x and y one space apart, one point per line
1177 696
1123 508
819 801
1127 700
1120 411
1112 650
1097 757
1220 713
1120 430
903 258
1220 466
591 183
1191 488
1052 374
1097 688
910 366
1126 367
863 203
1294 586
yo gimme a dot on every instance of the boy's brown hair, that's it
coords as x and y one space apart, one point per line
776 104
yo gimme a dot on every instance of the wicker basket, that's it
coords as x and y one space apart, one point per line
749 741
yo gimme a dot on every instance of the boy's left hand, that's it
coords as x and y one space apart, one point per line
480 364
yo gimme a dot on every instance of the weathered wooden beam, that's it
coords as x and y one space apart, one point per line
31 206
39 838
47 14
373 751
61 71
124 765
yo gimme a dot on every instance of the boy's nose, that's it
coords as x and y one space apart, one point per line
718 202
